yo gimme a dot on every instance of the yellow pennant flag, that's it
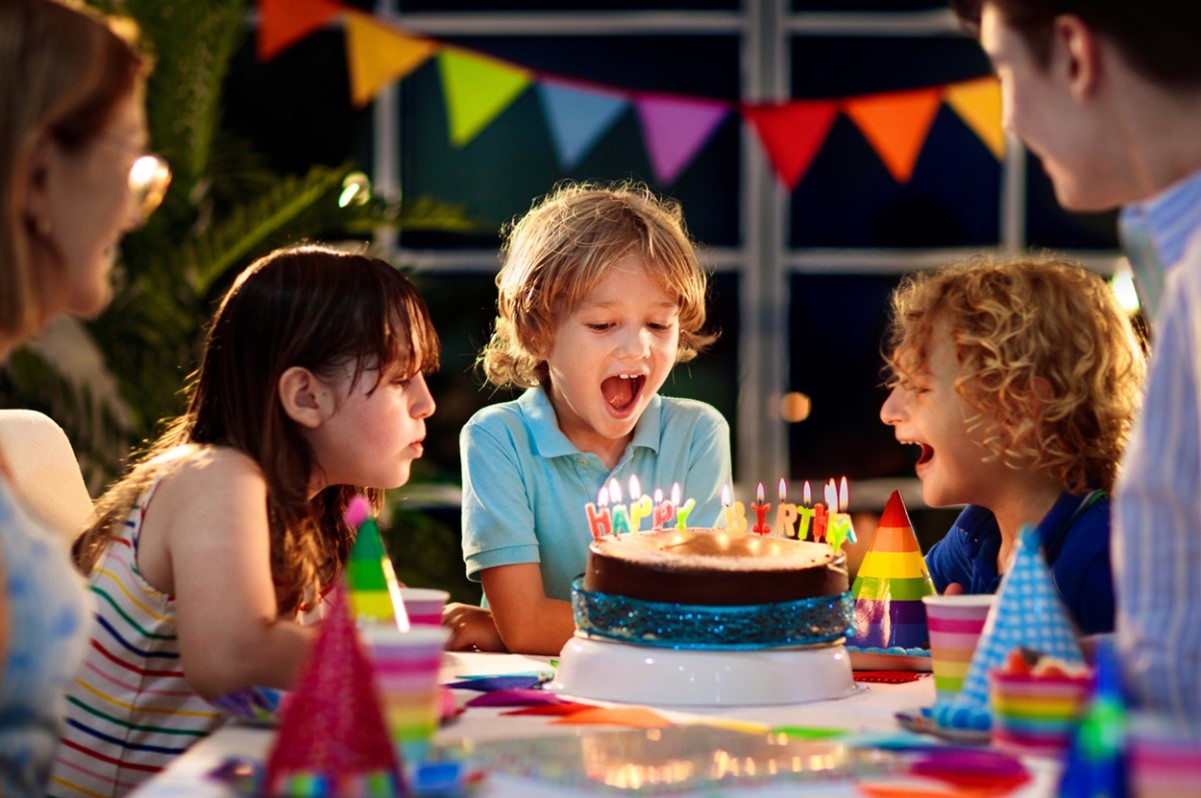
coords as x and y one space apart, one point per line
477 90
896 125
378 54
978 104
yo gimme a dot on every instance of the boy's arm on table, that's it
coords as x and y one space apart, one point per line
211 519
528 622
471 628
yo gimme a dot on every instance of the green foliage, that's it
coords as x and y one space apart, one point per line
224 208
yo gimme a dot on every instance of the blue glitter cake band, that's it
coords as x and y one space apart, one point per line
789 624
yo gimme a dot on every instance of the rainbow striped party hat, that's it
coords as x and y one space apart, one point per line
889 585
332 739
1026 613
374 589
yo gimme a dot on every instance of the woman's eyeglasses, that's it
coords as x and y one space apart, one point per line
149 178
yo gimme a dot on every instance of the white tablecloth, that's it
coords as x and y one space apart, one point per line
870 709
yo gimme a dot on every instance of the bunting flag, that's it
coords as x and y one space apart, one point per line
792 133
896 125
378 54
282 23
578 117
674 129
477 89
978 104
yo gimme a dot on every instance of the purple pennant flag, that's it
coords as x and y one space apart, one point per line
674 129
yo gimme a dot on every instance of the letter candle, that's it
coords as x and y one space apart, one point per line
761 527
682 510
664 510
805 513
735 514
621 515
786 514
640 505
840 530
821 515
600 523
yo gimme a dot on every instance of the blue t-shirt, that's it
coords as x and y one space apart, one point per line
1075 535
525 484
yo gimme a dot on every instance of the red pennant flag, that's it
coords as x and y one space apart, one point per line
282 23
792 133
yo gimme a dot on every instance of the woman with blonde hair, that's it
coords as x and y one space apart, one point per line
74 177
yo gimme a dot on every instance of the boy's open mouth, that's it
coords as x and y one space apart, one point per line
926 454
622 391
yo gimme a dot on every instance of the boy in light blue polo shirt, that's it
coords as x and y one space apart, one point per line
600 295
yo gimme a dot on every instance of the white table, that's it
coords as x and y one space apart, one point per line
870 709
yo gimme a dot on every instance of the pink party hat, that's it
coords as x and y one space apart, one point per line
889 585
332 739
374 589
1027 613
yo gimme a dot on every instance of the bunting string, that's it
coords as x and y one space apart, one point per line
479 88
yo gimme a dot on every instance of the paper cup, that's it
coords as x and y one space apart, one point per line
955 624
406 666
424 605
1036 714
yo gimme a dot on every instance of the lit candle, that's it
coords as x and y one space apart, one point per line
760 508
682 510
805 513
640 505
665 510
735 513
600 523
785 513
621 516
839 528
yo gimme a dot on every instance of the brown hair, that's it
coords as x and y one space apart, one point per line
1022 327
306 306
1158 37
556 253
63 72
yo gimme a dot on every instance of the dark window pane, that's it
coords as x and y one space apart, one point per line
1049 226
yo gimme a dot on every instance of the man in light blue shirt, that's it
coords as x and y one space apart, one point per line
1108 94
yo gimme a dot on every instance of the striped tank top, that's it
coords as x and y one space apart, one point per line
129 711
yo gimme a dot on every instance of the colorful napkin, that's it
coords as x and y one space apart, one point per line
634 717
332 735
1027 612
490 683
889 585
514 698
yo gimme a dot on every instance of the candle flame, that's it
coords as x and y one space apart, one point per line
615 490
807 494
602 498
843 502
725 495
658 496
635 488
831 494
759 494
675 493
783 488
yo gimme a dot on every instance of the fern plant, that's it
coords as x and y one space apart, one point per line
110 381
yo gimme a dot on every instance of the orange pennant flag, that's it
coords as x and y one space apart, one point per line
378 54
282 23
792 133
978 103
896 125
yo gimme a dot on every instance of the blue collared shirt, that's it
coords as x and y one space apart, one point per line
1075 543
1157 534
525 484
1155 234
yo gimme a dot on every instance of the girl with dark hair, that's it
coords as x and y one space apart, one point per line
204 557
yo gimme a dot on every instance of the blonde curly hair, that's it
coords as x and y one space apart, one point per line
560 249
1043 349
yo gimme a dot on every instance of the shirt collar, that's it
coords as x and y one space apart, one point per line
551 442
1171 217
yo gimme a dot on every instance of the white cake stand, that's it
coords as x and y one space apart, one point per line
607 670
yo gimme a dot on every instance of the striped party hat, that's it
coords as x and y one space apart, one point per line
889 585
374 589
1027 613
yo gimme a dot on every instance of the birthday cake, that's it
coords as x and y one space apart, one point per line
713 568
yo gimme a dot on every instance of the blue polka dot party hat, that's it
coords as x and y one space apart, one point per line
1028 612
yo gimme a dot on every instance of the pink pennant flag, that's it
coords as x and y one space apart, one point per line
282 23
792 133
674 129
896 125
